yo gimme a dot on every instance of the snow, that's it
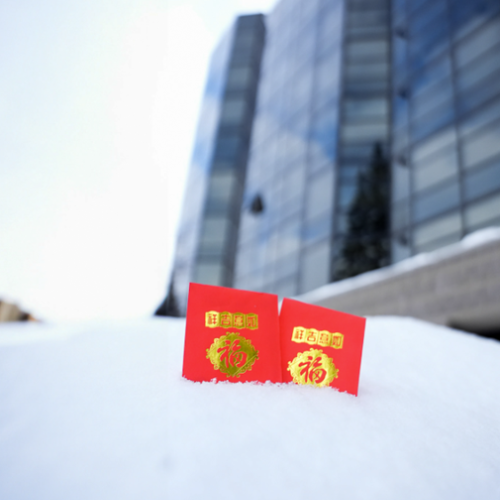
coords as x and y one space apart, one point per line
100 411
470 242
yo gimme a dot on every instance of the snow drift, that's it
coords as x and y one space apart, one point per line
100 411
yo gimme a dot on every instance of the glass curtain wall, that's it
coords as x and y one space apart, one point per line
196 186
210 218
214 264
285 247
365 119
446 169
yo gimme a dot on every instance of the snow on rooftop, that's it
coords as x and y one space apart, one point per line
100 411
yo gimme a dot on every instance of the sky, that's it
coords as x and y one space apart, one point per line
99 103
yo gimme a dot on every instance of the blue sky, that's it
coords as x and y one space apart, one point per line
98 107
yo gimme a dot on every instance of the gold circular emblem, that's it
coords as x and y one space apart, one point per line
312 367
232 354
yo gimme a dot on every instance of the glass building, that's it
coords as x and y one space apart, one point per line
446 122
208 230
329 85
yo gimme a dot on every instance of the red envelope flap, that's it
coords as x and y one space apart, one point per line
231 335
320 346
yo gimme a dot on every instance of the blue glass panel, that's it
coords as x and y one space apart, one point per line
483 181
436 202
431 122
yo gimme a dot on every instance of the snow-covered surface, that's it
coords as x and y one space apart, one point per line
100 411
470 242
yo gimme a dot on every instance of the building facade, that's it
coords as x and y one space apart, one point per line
337 87
446 125
208 230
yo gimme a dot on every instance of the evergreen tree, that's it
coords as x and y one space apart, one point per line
366 246
169 306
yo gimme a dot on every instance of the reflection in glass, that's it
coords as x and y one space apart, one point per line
482 146
483 213
479 182
315 266
436 202
435 169
443 226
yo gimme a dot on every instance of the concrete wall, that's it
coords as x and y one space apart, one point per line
457 286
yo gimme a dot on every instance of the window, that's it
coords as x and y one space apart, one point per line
287 287
373 49
233 111
400 139
318 229
227 147
400 182
479 70
482 117
433 121
239 77
208 273
435 10
399 56
436 202
400 112
315 269
245 38
327 76
289 237
367 17
400 215
483 213
435 169
482 146
399 250
330 25
482 181
478 43
365 132
439 243
221 189
363 71
346 194
431 74
213 234
435 95
319 195
435 143
302 87
305 49
436 229
481 93
293 182
324 128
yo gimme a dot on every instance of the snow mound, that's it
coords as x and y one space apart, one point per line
100 411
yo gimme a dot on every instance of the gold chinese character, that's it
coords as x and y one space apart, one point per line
226 319
212 319
312 336
239 320
232 354
252 322
298 334
312 367
325 338
337 340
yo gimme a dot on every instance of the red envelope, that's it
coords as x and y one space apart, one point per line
320 346
231 335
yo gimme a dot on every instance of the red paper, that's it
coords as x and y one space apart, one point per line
231 335
320 346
